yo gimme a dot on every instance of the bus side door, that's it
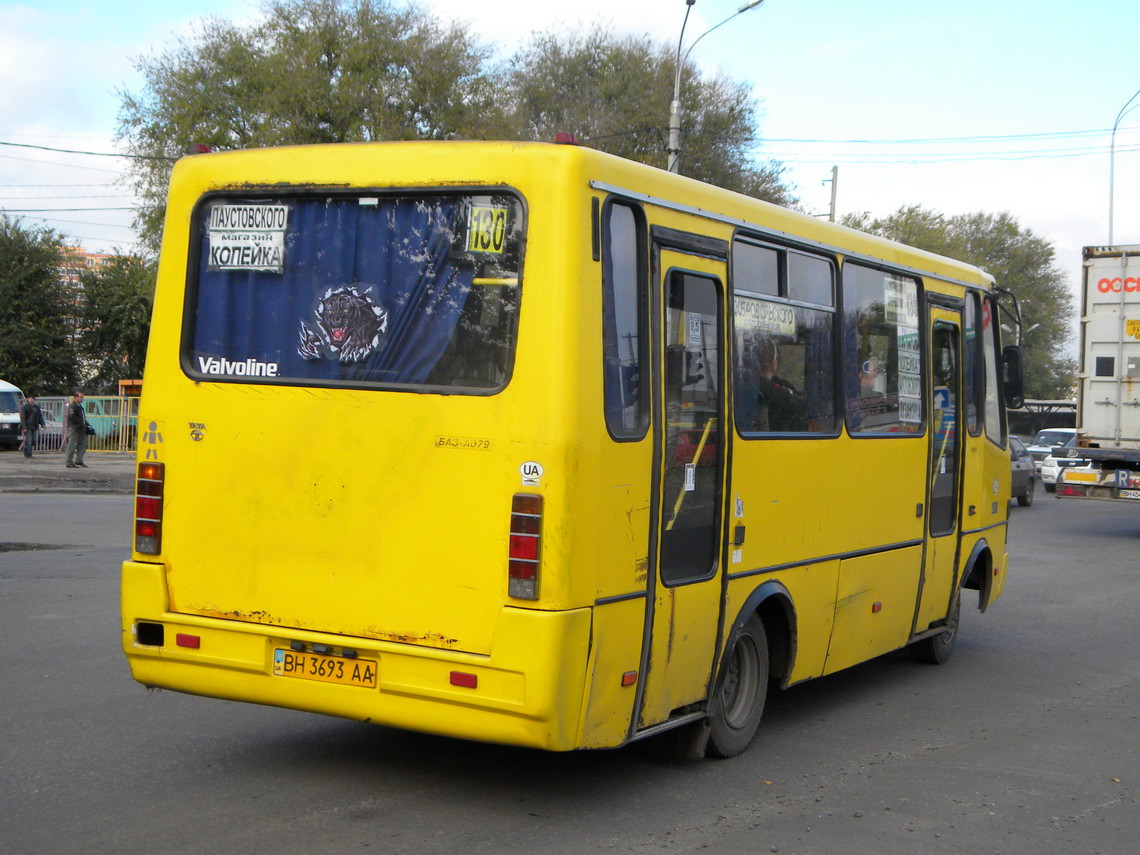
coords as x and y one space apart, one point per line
938 586
686 585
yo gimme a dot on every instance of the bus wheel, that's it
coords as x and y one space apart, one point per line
739 703
937 649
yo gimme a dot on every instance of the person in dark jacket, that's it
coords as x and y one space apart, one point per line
31 420
779 405
75 420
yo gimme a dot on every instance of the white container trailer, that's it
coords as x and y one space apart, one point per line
1108 398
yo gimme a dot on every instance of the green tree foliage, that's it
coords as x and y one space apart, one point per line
115 321
1021 262
313 71
357 70
37 323
613 92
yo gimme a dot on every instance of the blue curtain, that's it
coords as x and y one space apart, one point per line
394 253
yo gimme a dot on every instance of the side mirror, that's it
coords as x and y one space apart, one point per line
1013 377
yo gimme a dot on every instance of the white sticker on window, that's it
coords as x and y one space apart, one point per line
901 301
695 337
763 316
247 237
909 365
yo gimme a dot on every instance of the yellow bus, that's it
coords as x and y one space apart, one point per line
530 444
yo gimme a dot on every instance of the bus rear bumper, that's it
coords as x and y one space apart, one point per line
528 694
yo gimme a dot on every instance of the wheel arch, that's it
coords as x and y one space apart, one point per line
772 602
979 573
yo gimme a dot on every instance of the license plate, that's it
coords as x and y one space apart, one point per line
1130 494
324 669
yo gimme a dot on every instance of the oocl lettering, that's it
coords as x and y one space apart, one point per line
1113 286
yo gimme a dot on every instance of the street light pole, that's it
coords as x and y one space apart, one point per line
1112 162
674 146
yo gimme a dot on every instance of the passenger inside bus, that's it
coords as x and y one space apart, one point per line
868 377
779 405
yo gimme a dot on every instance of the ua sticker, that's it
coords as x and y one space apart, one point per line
531 473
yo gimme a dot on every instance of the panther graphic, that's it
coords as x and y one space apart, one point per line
349 323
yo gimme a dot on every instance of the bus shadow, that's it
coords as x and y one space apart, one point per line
351 750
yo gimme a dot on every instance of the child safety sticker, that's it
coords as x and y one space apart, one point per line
247 237
151 440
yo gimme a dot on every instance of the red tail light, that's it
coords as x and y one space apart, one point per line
525 549
148 507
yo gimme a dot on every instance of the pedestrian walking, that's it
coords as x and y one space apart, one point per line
31 420
75 420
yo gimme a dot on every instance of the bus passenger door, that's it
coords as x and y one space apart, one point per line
690 437
945 467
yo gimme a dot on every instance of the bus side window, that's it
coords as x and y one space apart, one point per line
882 350
982 395
784 350
995 411
623 307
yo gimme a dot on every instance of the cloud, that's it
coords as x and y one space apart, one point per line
55 75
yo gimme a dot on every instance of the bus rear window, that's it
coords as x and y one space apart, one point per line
356 290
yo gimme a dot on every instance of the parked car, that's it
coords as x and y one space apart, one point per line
1057 460
1048 439
1023 473
11 399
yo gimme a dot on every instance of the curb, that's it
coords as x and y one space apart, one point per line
107 473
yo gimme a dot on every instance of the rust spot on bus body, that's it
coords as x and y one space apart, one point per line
432 639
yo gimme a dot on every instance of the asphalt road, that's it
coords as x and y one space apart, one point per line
1025 742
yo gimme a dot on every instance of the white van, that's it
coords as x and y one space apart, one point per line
1046 440
11 399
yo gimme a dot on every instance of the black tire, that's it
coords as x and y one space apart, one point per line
937 649
739 700
1050 488
1026 498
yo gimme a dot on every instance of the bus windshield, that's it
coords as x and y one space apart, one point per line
356 290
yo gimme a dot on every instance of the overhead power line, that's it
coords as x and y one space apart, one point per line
54 163
62 210
64 184
81 223
1042 135
71 196
887 159
89 153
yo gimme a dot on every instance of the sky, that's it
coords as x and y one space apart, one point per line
976 106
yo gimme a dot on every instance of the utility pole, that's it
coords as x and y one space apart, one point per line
834 188
674 145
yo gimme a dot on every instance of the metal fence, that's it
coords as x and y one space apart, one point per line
114 418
